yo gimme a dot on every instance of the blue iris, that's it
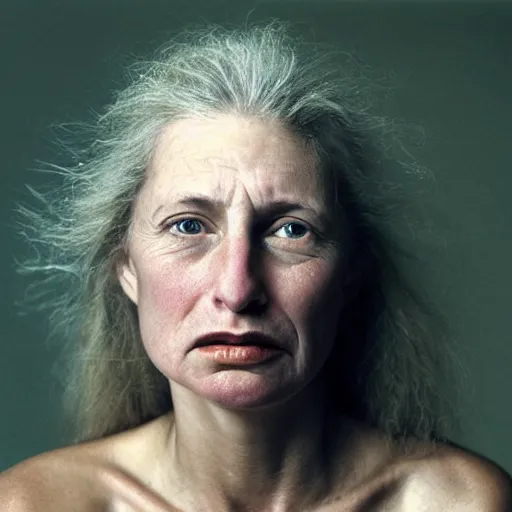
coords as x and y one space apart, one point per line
295 230
189 226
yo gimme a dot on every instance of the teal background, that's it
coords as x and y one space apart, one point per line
450 69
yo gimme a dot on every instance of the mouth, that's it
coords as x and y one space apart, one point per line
248 338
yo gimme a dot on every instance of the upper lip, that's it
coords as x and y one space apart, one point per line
246 338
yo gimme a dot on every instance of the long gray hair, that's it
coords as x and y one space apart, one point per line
388 366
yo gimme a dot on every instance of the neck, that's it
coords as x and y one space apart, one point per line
275 458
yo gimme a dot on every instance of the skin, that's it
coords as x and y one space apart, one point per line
242 439
238 264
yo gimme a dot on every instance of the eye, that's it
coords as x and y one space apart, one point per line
187 226
292 230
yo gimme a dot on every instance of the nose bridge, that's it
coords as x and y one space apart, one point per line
237 276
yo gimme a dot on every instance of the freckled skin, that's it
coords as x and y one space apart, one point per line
193 269
234 267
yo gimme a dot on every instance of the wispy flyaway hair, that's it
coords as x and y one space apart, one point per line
388 366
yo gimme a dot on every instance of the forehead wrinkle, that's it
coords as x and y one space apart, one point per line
223 188
176 139
280 188
175 154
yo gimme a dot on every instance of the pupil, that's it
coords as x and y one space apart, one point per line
189 225
295 229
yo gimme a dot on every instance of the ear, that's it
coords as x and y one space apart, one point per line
128 279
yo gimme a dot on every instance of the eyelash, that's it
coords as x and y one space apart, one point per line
176 222
170 225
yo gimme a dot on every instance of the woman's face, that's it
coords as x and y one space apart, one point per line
231 233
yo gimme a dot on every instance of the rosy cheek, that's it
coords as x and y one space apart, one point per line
156 289
164 296
164 300
172 287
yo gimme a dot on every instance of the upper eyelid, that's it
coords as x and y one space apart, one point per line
172 221
310 231
259 219
262 225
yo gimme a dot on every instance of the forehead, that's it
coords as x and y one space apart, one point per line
214 155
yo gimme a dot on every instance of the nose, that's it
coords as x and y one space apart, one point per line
238 284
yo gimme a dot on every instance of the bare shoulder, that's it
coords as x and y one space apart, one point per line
88 477
64 479
454 479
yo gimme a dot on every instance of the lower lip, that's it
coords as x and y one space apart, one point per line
238 354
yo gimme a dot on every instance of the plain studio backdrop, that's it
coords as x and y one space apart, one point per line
449 68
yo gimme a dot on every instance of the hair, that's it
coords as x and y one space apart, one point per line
388 367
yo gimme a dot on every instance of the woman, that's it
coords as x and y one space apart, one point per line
243 338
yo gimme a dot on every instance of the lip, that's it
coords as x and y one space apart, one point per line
246 338
239 355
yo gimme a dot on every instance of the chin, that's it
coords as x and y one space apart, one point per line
243 389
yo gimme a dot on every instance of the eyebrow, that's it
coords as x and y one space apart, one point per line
214 206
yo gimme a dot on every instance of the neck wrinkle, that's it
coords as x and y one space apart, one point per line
285 462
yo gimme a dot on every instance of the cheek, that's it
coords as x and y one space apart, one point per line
313 300
166 296
166 288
